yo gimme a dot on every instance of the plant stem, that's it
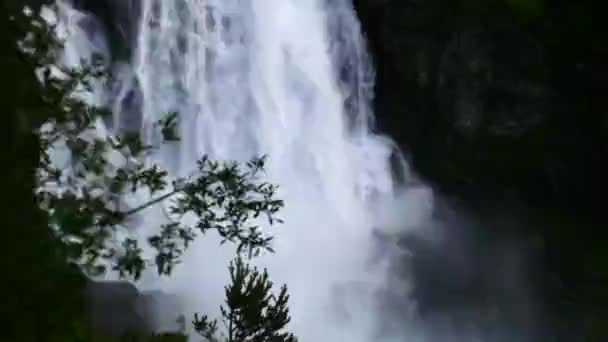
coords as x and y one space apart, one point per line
230 338
150 203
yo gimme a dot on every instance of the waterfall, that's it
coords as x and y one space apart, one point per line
290 79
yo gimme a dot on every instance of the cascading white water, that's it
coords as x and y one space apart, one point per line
290 79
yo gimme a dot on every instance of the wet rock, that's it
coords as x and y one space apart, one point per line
130 104
120 19
117 308
482 98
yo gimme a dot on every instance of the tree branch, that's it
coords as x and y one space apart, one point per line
150 203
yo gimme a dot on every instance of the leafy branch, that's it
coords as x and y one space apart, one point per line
84 197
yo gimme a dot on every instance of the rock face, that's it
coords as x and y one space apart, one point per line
120 19
114 24
117 308
501 105
483 97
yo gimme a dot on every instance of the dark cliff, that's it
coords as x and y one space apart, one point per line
500 104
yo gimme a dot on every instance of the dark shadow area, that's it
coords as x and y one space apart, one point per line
501 104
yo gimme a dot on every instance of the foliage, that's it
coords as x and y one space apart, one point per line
81 199
252 312
41 301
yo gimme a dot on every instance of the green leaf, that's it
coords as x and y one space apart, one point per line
168 127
